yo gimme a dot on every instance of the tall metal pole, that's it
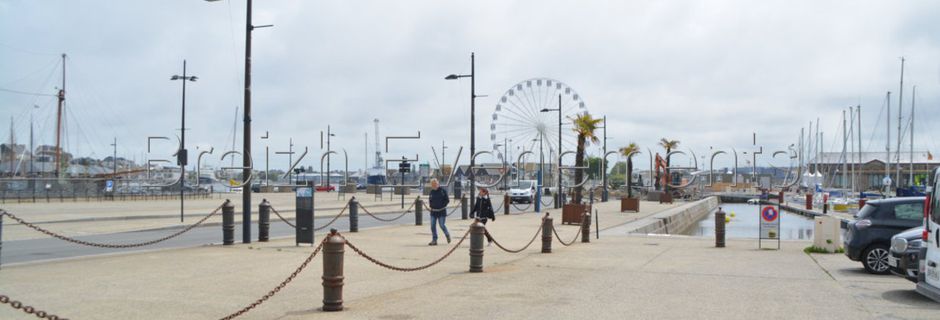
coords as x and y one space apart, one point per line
181 156
473 147
604 173
858 112
538 193
888 141
844 142
114 160
329 133
558 203
246 156
851 154
58 122
897 181
910 180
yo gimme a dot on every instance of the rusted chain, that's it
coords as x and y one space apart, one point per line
278 214
523 209
387 220
550 201
28 309
519 250
108 245
388 266
317 228
279 286
555 231
334 219
454 209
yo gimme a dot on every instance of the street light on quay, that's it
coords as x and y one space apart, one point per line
558 191
181 157
473 97
246 155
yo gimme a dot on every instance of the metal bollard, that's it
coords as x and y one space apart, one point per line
477 231
463 208
228 223
1 239
719 228
586 227
419 211
546 234
333 250
506 203
353 215
264 220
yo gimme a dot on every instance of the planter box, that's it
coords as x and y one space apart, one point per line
665 198
571 213
629 204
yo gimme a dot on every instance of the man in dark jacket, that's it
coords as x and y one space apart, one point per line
437 200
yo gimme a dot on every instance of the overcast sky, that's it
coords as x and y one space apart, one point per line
707 73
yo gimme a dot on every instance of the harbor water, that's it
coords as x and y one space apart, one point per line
745 223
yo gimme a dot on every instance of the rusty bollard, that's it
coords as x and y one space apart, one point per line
333 250
464 212
228 223
547 234
506 203
720 228
264 220
419 211
353 215
586 228
477 231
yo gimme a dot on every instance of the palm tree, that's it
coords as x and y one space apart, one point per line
668 145
584 126
628 152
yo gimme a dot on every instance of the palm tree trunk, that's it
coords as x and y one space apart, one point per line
579 174
666 171
629 177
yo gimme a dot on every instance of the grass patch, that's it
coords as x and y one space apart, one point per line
815 249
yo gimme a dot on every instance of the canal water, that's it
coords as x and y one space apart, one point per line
746 223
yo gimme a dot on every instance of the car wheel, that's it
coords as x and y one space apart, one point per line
875 259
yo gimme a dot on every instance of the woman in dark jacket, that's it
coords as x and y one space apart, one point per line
484 210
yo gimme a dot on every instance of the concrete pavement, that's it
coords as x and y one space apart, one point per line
615 277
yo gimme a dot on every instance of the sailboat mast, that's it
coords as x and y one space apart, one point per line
897 174
888 139
858 112
845 169
851 154
910 180
818 148
12 150
58 121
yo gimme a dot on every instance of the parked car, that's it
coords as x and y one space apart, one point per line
928 282
905 249
523 192
868 238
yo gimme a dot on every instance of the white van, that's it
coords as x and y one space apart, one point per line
928 283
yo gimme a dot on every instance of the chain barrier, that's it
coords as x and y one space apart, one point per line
28 309
454 209
108 245
279 286
317 228
550 201
537 232
555 231
407 211
522 209
278 214
391 267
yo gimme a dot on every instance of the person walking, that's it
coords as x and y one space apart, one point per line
484 210
437 200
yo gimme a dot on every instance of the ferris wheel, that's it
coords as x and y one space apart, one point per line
518 121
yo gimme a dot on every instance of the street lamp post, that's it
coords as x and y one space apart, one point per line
329 134
181 158
538 192
558 192
246 156
473 97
